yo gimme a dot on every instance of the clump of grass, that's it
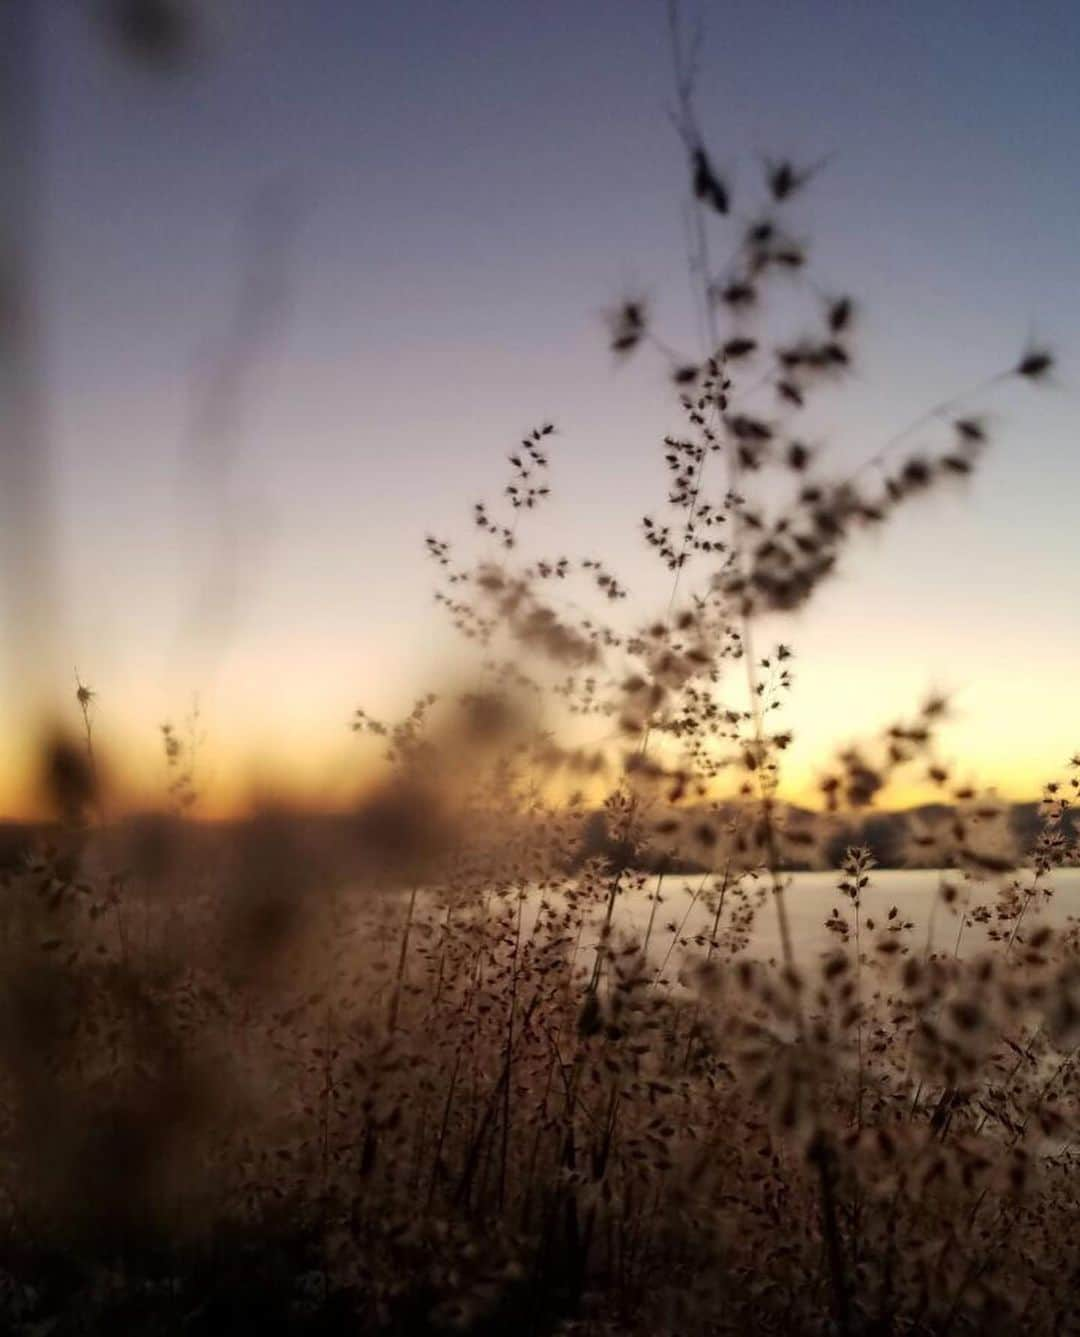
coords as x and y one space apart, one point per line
455 1063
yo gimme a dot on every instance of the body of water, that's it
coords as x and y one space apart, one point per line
689 904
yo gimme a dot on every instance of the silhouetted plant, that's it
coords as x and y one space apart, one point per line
423 1069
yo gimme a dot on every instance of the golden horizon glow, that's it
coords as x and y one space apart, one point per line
311 761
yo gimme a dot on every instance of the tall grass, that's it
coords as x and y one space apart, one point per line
413 1072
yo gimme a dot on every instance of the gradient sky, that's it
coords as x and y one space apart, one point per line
477 181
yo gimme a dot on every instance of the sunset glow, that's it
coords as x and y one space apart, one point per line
438 272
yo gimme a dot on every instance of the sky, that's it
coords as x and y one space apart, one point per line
450 196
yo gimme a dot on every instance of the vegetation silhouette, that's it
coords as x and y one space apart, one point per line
413 1071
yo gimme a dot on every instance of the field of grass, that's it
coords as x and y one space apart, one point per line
550 1036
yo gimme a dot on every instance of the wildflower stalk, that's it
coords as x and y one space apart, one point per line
403 952
1029 896
508 1051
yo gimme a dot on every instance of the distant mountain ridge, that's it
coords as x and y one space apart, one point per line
883 833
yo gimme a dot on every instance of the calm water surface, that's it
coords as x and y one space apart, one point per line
811 897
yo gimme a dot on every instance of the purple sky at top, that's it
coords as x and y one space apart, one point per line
477 180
